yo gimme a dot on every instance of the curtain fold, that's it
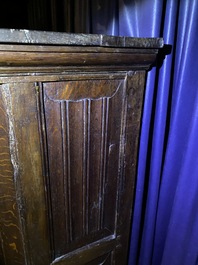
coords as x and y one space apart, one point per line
177 218
165 218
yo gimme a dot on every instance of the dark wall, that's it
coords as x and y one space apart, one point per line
55 15
13 14
29 14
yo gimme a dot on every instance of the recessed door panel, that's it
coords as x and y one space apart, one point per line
82 138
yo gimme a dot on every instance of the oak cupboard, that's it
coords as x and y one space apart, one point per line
70 116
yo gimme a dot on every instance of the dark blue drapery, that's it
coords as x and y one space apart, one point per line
165 226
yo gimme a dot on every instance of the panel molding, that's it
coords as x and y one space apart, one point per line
72 125
81 90
87 253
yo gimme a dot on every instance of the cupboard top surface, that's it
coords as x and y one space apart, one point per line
71 39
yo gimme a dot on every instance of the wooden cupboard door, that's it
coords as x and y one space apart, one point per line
87 126
72 157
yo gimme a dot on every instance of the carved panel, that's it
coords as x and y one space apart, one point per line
69 163
70 169
82 135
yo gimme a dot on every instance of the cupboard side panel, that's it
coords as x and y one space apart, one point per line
31 180
11 238
134 102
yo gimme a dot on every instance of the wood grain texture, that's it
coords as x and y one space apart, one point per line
12 251
29 180
86 89
27 58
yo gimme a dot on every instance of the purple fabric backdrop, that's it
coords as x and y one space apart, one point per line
165 226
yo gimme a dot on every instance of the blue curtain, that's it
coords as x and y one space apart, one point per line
165 219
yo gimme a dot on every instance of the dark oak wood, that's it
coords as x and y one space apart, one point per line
69 132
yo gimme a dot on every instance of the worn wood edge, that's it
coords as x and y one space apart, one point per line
75 49
135 91
74 257
57 38
69 76
35 73
73 59
67 72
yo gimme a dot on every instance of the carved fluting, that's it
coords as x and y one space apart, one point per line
79 152
103 157
86 160
66 174
76 129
